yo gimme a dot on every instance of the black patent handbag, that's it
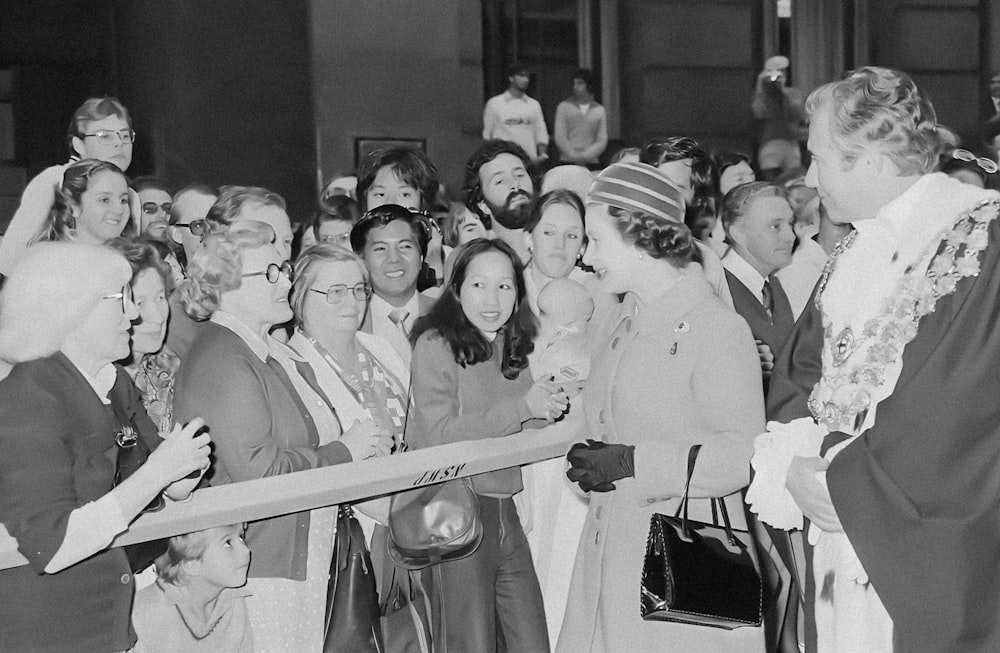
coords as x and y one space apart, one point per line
697 573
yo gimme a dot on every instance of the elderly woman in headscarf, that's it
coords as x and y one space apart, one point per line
675 367
68 415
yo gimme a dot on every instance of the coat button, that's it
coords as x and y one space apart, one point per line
650 500
614 343
628 325
600 416
125 579
597 513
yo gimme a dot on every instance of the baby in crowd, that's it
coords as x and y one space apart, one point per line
197 604
565 308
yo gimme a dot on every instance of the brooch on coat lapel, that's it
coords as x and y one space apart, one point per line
683 327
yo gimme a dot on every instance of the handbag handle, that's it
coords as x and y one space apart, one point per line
717 503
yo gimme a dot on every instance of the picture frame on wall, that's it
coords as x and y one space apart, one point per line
364 145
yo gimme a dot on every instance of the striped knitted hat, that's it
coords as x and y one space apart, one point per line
638 187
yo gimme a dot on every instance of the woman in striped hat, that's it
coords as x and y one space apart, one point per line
676 368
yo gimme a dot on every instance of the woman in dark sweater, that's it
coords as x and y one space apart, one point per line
470 382
66 413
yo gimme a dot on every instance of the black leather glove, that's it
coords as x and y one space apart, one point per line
597 465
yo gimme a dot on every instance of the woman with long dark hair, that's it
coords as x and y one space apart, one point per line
470 382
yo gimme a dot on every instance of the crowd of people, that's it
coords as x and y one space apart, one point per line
826 336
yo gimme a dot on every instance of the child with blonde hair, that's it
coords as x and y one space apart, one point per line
198 603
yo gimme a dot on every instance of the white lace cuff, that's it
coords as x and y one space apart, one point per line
773 453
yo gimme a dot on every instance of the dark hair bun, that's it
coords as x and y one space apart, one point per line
663 239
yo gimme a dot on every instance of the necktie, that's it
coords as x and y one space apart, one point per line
767 299
398 317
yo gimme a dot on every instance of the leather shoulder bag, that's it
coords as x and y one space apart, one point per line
434 523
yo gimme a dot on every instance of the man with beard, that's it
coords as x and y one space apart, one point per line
500 188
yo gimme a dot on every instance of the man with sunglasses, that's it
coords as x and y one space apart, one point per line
187 216
393 243
155 204
187 228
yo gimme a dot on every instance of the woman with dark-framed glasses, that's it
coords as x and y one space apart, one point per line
266 419
364 378
100 128
70 423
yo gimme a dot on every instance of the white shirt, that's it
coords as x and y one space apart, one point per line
745 273
800 276
517 119
383 327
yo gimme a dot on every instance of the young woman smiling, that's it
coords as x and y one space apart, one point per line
470 382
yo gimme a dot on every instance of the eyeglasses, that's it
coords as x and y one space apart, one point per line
125 296
341 240
197 227
152 208
989 166
107 136
337 293
274 272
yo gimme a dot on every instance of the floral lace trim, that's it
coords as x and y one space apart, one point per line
841 400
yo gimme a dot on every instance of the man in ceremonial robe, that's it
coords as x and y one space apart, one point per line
903 502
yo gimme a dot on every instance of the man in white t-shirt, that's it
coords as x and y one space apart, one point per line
515 116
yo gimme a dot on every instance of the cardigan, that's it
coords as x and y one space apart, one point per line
257 430
57 453
452 403
580 136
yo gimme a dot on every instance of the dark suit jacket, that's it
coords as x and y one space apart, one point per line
773 331
57 453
